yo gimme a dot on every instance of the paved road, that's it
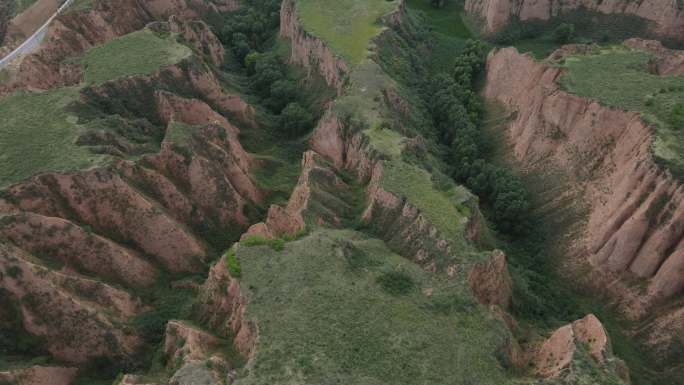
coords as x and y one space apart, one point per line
32 42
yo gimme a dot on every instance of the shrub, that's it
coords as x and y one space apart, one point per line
282 92
295 120
14 271
233 264
396 282
564 33
277 244
677 116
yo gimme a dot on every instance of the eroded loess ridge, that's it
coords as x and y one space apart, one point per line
265 192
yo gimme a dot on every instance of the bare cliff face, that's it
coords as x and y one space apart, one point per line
667 16
665 62
633 236
559 354
310 52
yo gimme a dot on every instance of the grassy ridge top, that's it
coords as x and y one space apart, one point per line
138 53
39 135
619 77
337 307
444 209
346 25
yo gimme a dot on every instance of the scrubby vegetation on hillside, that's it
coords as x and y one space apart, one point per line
138 53
39 124
578 26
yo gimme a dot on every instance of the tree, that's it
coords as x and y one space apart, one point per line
295 120
268 68
240 46
282 92
564 33
438 3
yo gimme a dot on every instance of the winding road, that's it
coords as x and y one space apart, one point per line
32 42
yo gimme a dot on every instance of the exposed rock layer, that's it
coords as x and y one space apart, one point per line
310 52
635 226
667 16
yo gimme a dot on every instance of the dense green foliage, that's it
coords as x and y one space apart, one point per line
541 37
250 28
564 33
167 304
233 264
456 113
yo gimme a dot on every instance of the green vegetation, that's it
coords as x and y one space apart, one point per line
447 20
323 320
620 77
233 264
542 37
277 244
347 25
295 120
445 209
39 135
564 33
396 282
250 28
179 133
138 53
385 140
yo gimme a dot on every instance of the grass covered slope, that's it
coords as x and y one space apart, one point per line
347 25
337 307
445 209
620 77
39 135
138 53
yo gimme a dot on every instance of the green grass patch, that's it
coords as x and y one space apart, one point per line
232 264
179 133
322 321
444 209
619 77
346 25
277 244
385 140
447 20
38 135
138 53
